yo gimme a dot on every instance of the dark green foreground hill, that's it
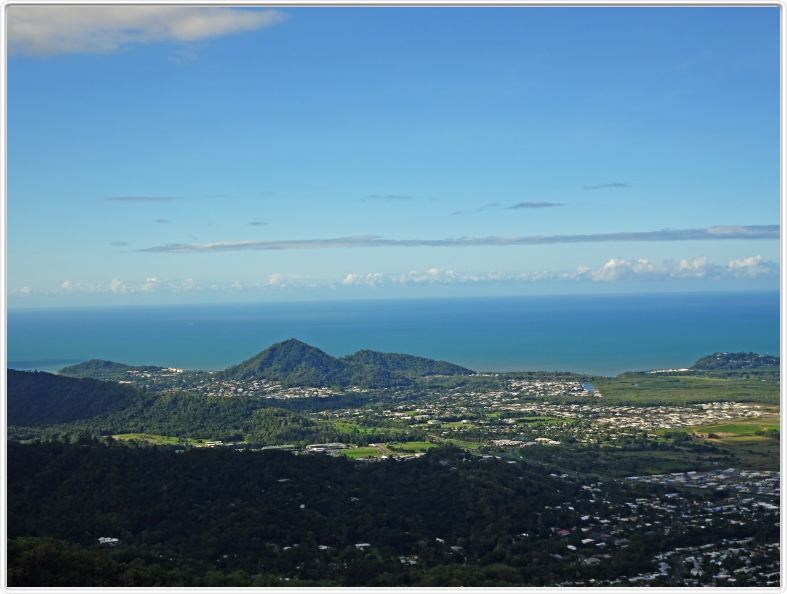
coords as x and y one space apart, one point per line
228 518
38 398
44 406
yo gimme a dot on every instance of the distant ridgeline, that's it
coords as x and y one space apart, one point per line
103 370
295 363
735 361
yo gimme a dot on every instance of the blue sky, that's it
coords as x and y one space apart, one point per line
165 155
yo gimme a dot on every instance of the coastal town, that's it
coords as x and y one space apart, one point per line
509 410
494 412
500 418
741 498
213 384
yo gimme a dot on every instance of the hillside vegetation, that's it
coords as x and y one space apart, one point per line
253 517
735 361
102 370
38 398
295 363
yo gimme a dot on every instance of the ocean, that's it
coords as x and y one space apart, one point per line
600 334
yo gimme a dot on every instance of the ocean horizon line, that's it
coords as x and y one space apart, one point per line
373 299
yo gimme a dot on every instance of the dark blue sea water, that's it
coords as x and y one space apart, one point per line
596 334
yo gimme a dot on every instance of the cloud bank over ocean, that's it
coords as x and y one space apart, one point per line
614 270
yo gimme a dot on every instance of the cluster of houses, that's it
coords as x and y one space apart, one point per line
161 378
732 563
595 529
716 561
550 389
210 383
508 443
755 482
256 388
593 526
668 417
500 417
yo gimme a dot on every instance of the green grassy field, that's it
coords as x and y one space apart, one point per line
410 446
363 452
541 420
349 431
743 428
154 439
682 389
745 440
461 443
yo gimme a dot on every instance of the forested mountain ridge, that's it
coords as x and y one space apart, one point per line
406 365
735 361
103 370
295 363
292 362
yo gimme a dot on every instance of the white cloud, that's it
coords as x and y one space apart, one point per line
617 269
48 30
621 269
187 284
282 280
752 267
694 268
69 286
117 286
613 270
431 276
278 280
371 279
150 283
